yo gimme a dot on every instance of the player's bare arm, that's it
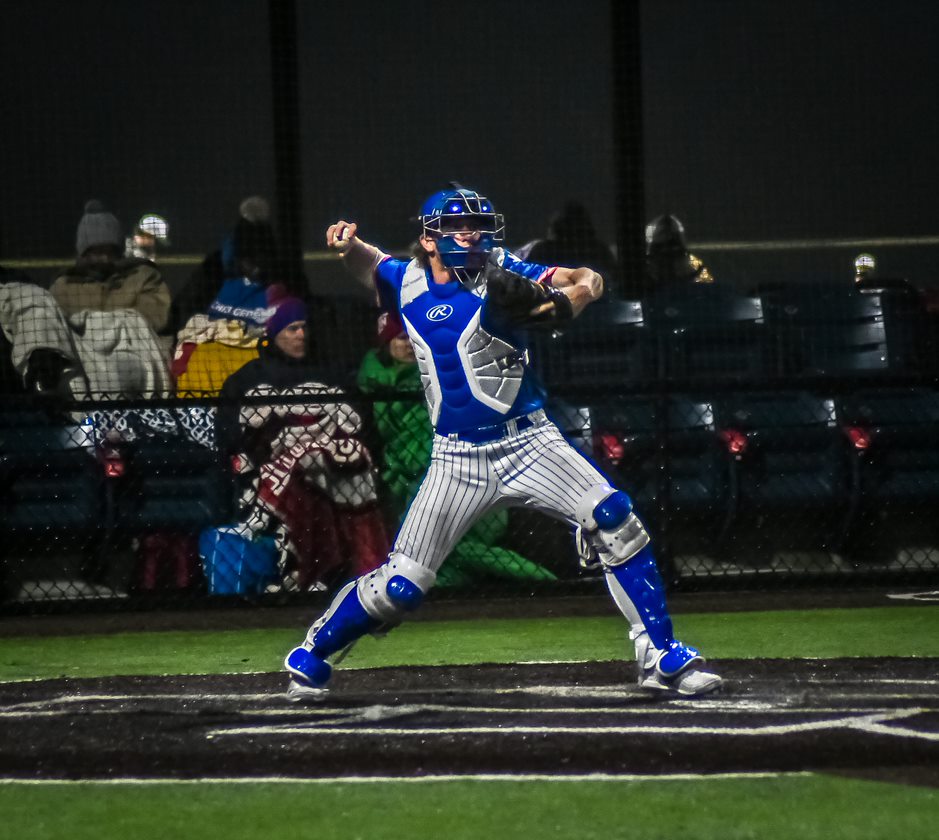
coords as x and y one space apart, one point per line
360 258
582 285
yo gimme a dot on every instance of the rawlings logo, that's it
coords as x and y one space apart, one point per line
440 312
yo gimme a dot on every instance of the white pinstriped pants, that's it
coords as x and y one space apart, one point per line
536 468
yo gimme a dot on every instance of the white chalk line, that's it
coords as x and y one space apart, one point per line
64 704
381 780
312 730
915 596
111 698
620 691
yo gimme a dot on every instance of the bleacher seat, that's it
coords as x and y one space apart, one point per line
707 331
791 476
824 329
51 498
895 437
49 481
168 484
665 452
606 346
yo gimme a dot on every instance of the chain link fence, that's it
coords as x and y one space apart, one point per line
766 439
765 387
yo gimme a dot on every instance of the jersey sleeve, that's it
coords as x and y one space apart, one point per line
388 276
533 271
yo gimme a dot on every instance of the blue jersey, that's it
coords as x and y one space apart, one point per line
473 375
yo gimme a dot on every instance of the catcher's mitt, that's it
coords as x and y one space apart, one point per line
516 301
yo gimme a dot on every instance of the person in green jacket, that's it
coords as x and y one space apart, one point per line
407 435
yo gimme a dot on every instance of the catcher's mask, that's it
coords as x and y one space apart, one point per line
458 210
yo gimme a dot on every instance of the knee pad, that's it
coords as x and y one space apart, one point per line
607 521
639 592
394 588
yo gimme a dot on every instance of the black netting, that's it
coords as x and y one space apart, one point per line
761 374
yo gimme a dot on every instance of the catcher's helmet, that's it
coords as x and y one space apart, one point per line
455 209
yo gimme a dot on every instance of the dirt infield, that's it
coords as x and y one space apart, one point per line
878 718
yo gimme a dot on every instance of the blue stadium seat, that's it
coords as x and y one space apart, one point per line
791 475
825 329
895 438
665 452
51 495
169 484
607 345
707 331
48 480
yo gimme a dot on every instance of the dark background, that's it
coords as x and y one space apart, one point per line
778 120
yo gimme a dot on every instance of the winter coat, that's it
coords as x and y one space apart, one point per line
404 427
130 284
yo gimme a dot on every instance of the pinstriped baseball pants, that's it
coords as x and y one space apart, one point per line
536 468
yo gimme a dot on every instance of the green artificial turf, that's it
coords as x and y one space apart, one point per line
825 633
809 807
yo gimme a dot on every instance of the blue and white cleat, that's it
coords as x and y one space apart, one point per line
673 671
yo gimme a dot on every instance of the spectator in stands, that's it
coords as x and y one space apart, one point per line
300 464
33 352
103 280
406 436
35 339
90 353
248 254
669 264
234 292
572 241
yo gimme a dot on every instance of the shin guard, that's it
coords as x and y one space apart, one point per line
639 592
343 623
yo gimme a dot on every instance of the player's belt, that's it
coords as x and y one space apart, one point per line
488 434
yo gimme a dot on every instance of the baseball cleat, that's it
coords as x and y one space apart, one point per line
299 693
674 670
691 683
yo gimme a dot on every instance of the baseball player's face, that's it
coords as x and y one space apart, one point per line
463 234
465 230
291 340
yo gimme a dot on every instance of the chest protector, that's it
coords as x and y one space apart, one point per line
471 378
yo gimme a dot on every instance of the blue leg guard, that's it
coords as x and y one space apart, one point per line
640 579
641 598
365 605
621 543
345 622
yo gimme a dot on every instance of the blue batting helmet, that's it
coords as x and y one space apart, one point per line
455 209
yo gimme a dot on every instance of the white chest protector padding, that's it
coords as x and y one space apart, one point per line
493 367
